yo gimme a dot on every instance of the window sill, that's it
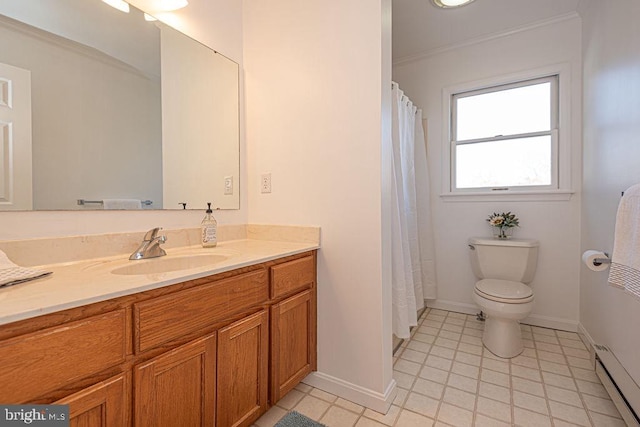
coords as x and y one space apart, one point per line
513 196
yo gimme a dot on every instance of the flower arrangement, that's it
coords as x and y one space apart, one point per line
503 222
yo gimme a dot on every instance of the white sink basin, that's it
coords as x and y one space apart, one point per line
168 263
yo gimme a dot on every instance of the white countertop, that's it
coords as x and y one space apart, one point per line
85 282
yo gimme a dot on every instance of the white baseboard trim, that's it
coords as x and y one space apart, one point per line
588 341
379 402
534 319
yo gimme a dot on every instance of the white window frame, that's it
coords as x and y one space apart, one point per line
560 188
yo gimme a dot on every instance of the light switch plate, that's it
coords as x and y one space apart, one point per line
228 185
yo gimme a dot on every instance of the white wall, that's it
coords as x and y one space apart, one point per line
315 94
218 24
611 153
555 224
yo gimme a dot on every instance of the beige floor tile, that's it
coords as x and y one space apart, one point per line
304 388
472 331
592 389
543 331
600 405
411 419
466 370
291 399
576 352
561 423
585 374
527 386
450 335
312 407
495 365
451 328
271 417
455 320
495 392
469 359
562 395
439 351
339 417
468 339
551 357
428 388
558 380
493 377
572 343
408 367
568 335
354 407
551 348
388 419
600 420
434 374
423 405
456 315
463 383
445 342
455 416
438 362
403 380
320 394
424 329
484 421
524 418
527 362
556 368
569 413
545 338
493 408
367 422
470 348
401 396
527 373
530 402
580 363
418 345
424 339
460 398
413 356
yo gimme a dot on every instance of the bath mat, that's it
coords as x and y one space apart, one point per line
295 419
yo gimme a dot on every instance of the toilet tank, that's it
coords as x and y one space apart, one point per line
513 259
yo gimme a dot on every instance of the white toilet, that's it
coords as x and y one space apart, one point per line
504 267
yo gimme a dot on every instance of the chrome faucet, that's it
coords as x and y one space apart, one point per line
150 246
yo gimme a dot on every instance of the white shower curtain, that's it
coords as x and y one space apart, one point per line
410 226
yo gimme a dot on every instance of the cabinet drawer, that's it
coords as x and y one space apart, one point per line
44 361
170 317
290 276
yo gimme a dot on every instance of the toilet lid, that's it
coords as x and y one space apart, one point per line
504 290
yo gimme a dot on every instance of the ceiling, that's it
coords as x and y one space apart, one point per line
420 28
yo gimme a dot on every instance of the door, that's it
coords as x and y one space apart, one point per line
15 139
293 342
243 355
105 404
178 388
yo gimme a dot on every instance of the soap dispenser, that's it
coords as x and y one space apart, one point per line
209 227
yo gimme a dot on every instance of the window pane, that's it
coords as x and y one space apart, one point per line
508 163
506 112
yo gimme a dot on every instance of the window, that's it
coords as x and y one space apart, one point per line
505 138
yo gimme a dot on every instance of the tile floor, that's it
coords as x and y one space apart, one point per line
446 378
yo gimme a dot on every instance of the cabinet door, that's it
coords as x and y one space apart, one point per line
105 404
293 342
178 387
243 354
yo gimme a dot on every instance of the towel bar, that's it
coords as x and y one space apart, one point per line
83 202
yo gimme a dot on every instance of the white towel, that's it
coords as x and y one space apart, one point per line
625 260
121 204
12 274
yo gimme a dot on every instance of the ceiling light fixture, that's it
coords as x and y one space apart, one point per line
448 4
121 5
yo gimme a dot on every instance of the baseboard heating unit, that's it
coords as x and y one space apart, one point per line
623 390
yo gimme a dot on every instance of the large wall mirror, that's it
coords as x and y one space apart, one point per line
100 108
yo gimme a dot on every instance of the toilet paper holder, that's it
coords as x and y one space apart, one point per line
600 261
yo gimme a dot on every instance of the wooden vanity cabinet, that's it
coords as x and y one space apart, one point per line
215 351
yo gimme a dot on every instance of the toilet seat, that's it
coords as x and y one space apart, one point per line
505 291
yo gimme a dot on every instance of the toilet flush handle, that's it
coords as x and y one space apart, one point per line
473 248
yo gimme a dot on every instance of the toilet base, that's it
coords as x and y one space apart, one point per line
502 337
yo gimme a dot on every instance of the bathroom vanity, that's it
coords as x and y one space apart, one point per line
215 347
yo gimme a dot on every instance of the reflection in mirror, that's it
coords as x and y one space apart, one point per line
97 104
